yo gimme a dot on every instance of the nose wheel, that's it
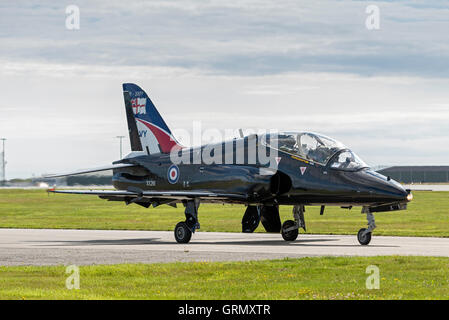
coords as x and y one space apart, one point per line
364 234
364 237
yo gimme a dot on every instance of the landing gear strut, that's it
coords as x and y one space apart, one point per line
290 228
364 234
184 230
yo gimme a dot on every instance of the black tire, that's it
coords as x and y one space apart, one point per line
250 220
289 235
182 233
270 219
364 238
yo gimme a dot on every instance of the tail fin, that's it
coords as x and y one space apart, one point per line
147 130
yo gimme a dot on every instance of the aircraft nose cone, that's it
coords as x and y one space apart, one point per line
396 190
383 188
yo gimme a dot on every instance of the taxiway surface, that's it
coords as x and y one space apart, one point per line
82 247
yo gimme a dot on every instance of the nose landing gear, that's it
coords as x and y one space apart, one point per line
364 234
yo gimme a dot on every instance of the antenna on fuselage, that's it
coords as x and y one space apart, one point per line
241 133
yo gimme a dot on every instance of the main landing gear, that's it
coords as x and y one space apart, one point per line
290 228
364 234
184 230
182 233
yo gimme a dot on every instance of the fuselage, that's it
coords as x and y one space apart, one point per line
294 180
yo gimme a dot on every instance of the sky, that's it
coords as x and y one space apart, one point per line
250 64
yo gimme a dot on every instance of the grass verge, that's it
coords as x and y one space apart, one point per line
305 278
427 215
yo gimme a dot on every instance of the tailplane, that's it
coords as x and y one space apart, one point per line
148 132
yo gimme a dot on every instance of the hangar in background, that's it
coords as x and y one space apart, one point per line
417 174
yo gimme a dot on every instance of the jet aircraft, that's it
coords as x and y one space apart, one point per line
294 168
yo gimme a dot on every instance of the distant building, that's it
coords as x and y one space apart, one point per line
418 174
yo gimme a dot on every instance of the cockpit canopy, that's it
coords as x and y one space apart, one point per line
316 148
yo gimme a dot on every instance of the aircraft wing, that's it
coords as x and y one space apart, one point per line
97 169
174 195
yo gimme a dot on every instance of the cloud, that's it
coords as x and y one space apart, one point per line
287 65
66 116
234 37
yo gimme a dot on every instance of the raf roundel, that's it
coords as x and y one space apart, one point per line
173 174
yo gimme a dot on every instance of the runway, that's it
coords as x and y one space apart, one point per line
84 247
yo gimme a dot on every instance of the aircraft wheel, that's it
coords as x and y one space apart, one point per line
182 233
289 235
364 238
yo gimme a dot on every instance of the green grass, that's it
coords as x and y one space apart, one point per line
427 215
305 278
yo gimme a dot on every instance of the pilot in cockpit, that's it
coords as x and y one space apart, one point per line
287 144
